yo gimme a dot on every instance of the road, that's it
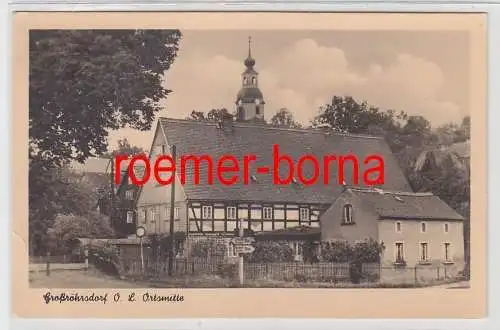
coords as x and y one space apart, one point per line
78 279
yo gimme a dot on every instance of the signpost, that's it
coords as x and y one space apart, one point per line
243 249
140 232
242 245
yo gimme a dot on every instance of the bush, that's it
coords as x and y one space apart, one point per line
336 251
208 248
271 251
367 251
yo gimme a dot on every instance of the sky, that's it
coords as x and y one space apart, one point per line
420 72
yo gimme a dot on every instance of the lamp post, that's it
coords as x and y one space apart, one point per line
140 232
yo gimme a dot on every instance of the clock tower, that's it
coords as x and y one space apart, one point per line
250 101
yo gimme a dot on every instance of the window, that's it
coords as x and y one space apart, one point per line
424 251
231 252
231 212
129 194
446 228
400 257
245 81
423 227
130 216
267 213
254 80
297 249
152 215
398 227
348 214
257 110
447 252
142 214
177 213
167 213
206 212
304 214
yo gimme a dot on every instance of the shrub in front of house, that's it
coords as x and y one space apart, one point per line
367 251
336 251
271 251
208 248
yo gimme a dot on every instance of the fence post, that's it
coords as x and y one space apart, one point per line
48 264
86 252
415 274
438 273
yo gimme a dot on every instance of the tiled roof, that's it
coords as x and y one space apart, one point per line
401 205
203 138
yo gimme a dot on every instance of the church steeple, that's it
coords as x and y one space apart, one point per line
250 101
249 62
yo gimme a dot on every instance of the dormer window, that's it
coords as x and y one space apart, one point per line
348 214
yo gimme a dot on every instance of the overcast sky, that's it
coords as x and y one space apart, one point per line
422 73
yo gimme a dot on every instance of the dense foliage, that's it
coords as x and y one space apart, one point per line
271 251
367 251
83 83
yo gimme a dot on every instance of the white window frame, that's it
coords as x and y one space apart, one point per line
396 227
265 215
177 212
204 210
230 250
129 194
304 211
130 215
231 212
396 251
347 220
420 254
450 258
423 225
298 249
152 214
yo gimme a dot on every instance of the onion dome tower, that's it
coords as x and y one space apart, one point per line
250 101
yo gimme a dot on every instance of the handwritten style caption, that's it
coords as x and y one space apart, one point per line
146 297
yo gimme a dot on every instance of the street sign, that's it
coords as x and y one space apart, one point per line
243 249
140 231
242 240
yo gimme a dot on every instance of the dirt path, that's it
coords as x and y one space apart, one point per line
78 279
458 285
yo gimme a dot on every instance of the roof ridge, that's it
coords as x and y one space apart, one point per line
392 192
270 127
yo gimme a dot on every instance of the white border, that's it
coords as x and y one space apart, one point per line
491 7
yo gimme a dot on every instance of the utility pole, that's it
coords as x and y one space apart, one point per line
112 193
240 261
172 213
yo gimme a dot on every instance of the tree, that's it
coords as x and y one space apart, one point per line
284 118
212 115
125 148
58 191
83 83
64 233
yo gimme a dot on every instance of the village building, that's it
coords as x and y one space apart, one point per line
415 228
